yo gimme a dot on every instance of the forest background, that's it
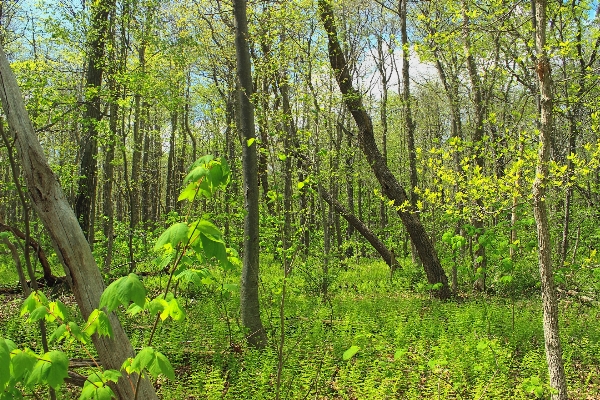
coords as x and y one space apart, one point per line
387 152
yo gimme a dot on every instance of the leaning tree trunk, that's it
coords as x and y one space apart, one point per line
67 236
540 209
391 187
249 302
360 226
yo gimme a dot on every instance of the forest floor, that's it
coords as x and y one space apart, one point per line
370 339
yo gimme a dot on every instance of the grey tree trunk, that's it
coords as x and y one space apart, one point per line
67 236
540 209
249 301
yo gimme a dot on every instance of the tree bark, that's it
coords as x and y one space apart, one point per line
540 209
86 191
391 187
479 263
249 301
67 236
360 226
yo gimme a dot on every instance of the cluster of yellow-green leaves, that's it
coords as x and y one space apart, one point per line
182 246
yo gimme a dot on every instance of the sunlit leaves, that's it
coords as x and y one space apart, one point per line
99 323
206 176
123 291
348 354
152 361
174 235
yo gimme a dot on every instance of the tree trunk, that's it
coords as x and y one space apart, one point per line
67 236
170 187
383 114
391 188
479 263
107 188
138 141
86 191
360 226
249 301
540 209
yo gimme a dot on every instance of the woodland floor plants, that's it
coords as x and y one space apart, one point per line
182 246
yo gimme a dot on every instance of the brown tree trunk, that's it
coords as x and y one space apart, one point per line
67 236
391 188
86 191
540 209
360 226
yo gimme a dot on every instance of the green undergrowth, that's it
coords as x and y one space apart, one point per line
372 338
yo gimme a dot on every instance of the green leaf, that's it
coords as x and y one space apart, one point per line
59 333
123 291
11 393
155 362
96 391
196 175
35 300
51 369
207 228
161 365
98 322
214 248
348 354
188 193
194 276
226 171
112 375
175 310
250 141
38 314
95 388
175 234
201 161
4 362
22 362
76 332
58 310
231 287
144 358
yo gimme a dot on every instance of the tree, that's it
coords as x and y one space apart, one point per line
86 192
540 208
249 301
391 187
